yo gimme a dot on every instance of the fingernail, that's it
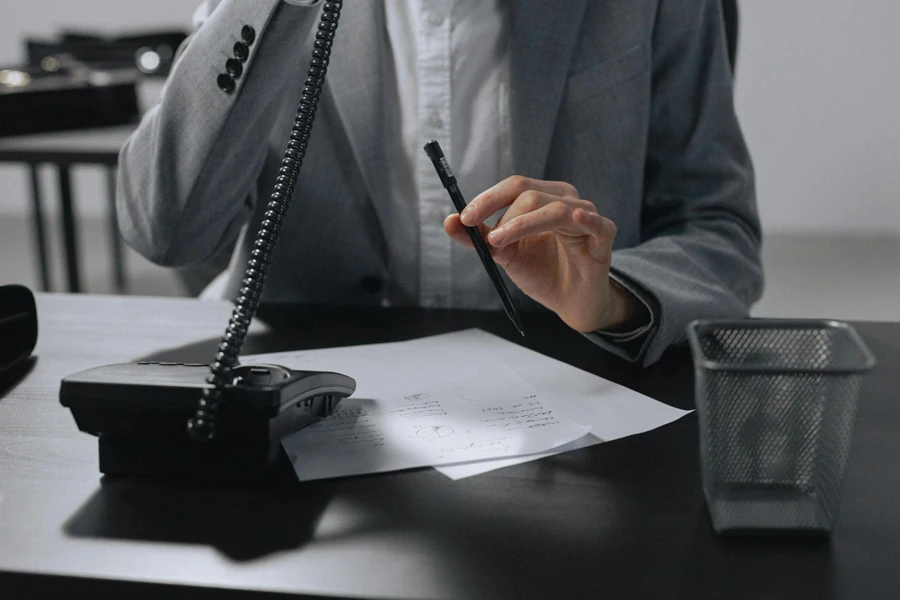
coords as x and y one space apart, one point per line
468 215
496 236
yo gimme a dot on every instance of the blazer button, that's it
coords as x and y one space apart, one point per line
234 67
226 83
371 284
248 34
241 51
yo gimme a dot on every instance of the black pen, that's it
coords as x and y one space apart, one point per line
434 152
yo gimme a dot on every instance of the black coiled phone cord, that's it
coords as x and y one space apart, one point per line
202 426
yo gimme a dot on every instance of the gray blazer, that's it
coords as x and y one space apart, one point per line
629 101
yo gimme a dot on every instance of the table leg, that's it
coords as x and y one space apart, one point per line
37 203
115 239
69 233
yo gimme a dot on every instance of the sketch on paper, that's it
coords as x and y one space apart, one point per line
434 432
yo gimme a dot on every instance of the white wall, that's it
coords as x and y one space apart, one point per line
818 96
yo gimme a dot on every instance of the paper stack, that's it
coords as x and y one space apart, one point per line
465 403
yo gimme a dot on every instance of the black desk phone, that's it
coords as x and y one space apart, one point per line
222 420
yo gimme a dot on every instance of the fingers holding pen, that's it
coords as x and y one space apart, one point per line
552 244
558 217
533 207
512 190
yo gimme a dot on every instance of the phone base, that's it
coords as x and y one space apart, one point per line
187 459
139 412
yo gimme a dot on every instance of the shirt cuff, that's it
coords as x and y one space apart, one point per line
630 345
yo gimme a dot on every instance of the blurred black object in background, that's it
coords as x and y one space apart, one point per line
82 80
151 53
71 97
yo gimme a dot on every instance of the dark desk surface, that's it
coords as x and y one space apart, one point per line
625 519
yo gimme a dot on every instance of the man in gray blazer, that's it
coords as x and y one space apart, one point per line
627 187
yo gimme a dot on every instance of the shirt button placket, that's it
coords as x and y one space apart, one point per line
434 70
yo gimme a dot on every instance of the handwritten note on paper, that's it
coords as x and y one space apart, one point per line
611 410
418 406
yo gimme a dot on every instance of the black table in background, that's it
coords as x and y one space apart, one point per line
66 149
624 519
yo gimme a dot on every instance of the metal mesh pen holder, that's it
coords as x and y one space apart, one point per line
776 403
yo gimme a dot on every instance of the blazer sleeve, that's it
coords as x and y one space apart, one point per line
700 231
187 175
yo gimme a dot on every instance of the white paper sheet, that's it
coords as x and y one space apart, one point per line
611 410
424 402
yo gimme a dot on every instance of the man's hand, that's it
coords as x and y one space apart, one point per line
555 247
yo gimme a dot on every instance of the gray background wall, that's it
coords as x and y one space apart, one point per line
818 95
818 91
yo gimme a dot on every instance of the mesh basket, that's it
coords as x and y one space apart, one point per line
776 403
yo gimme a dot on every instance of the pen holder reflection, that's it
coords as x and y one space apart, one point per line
776 405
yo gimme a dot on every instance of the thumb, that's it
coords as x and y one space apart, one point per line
456 230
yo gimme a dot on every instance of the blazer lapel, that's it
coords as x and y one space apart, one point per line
543 41
543 38
356 84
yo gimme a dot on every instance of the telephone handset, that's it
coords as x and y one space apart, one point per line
148 417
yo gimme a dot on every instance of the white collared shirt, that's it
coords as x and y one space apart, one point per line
449 59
